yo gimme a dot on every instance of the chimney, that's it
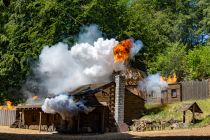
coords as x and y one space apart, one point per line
119 102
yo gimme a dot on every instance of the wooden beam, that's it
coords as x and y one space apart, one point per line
184 116
53 122
23 117
40 121
193 111
20 119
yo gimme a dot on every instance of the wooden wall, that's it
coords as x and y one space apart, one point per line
7 117
173 98
134 107
195 89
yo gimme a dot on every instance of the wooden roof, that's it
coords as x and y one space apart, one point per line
90 89
133 76
189 106
37 106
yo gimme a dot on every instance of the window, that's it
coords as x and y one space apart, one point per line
173 93
153 95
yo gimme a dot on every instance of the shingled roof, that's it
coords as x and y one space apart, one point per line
189 106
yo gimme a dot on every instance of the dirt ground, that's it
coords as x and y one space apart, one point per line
7 133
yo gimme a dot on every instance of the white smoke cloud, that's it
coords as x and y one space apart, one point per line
63 69
65 106
83 64
152 83
89 34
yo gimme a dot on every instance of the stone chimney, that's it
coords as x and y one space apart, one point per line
119 102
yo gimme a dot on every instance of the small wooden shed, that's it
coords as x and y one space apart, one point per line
193 107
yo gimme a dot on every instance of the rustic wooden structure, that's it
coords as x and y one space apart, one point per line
7 117
169 95
183 91
110 111
32 117
193 107
101 119
195 89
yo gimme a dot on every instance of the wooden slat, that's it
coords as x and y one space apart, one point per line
195 90
7 117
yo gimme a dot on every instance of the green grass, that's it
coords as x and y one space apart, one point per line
172 111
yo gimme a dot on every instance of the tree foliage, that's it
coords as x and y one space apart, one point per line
169 30
197 63
170 61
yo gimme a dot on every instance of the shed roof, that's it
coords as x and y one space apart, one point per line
189 106
90 88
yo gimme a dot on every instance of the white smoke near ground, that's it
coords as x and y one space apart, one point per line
65 105
153 85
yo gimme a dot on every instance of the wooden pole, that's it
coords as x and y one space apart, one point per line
23 117
20 119
40 121
183 116
53 119
193 114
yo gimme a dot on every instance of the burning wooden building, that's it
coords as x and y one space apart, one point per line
170 94
114 106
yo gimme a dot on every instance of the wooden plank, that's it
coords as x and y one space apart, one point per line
195 89
40 121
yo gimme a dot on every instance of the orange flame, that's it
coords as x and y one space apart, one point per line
35 97
9 105
170 79
122 50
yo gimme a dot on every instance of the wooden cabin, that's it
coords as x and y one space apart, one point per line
169 95
32 117
121 96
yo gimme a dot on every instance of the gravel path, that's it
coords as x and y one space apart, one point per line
7 133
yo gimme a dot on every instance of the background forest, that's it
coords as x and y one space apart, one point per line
175 34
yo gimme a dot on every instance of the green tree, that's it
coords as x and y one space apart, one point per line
27 25
197 63
170 61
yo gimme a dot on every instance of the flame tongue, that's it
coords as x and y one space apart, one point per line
170 79
9 105
122 50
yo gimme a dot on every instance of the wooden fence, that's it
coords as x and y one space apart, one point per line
195 90
7 117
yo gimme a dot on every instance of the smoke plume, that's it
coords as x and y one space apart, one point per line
65 105
137 46
153 84
89 34
62 68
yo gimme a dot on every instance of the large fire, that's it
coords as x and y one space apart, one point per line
122 50
8 106
170 79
